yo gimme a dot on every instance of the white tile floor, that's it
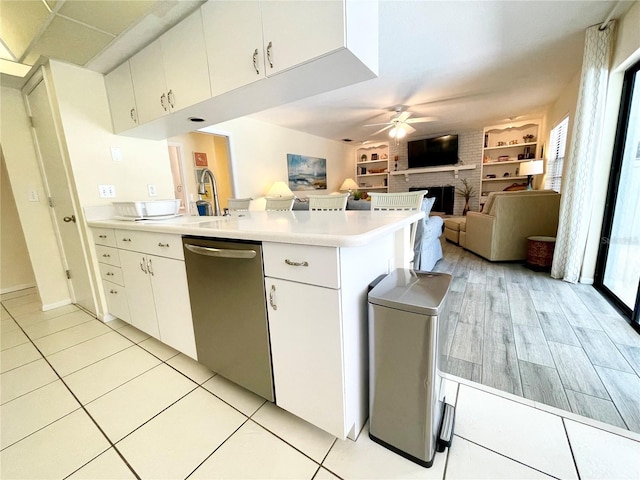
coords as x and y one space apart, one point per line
107 401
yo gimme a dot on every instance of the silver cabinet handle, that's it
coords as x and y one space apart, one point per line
126 239
133 115
269 48
272 294
143 266
102 236
296 264
106 255
115 292
160 244
172 99
219 252
255 61
150 267
109 274
163 101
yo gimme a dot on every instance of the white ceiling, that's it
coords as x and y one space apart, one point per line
467 63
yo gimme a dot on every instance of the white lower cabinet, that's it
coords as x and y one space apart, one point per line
305 327
156 300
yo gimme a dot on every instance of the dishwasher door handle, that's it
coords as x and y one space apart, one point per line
220 252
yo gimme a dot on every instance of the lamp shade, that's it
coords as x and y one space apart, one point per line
534 167
348 185
279 189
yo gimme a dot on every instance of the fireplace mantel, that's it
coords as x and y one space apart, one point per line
447 168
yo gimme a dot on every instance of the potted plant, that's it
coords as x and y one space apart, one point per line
357 195
467 192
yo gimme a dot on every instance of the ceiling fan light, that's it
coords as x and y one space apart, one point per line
401 132
392 132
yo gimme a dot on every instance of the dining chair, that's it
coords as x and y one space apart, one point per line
337 202
238 204
279 203
399 201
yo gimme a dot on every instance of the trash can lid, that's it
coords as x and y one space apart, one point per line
416 292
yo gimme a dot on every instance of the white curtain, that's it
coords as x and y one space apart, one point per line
575 207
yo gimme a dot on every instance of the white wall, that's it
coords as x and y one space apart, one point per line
259 155
15 267
24 174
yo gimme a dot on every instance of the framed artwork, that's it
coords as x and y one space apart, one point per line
306 173
200 159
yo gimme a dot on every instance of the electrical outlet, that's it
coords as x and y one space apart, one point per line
107 191
152 190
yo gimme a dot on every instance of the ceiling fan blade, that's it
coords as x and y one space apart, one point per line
376 124
382 130
421 119
408 128
401 117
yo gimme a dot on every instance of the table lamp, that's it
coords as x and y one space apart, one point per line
348 185
279 189
534 167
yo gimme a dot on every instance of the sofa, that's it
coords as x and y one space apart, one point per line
500 231
427 248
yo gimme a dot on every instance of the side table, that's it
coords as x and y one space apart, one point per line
540 253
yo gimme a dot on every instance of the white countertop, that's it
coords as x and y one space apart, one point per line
332 229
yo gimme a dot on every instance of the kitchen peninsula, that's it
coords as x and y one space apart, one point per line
317 268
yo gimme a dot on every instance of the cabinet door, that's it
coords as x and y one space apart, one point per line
122 100
171 294
185 63
301 31
233 36
116 297
306 352
149 85
142 308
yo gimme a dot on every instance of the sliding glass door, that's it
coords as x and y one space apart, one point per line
618 271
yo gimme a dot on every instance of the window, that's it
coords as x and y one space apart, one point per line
558 143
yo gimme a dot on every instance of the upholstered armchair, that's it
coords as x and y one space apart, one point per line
500 231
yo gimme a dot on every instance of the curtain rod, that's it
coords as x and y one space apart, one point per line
607 20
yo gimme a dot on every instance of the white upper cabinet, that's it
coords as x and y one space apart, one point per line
235 63
172 73
122 100
268 37
296 32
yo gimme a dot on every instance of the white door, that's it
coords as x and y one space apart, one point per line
149 85
142 308
121 98
177 173
59 185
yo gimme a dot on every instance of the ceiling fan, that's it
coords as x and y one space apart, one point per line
400 124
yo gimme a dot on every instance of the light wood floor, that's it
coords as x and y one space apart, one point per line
543 339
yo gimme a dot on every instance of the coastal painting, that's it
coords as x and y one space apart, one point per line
306 173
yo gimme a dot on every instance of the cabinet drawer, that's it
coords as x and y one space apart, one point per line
108 255
161 244
111 274
116 296
302 263
104 236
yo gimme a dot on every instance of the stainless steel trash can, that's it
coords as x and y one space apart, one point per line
406 335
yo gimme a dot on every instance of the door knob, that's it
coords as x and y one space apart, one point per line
72 218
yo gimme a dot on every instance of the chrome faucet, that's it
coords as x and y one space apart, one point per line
202 190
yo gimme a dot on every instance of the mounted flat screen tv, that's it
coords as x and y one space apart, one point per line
433 152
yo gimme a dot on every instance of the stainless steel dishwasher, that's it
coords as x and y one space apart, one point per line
228 305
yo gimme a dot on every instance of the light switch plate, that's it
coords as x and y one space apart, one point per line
33 195
151 188
116 154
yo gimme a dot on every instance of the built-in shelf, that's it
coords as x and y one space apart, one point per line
452 168
514 145
364 163
373 174
488 164
503 179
